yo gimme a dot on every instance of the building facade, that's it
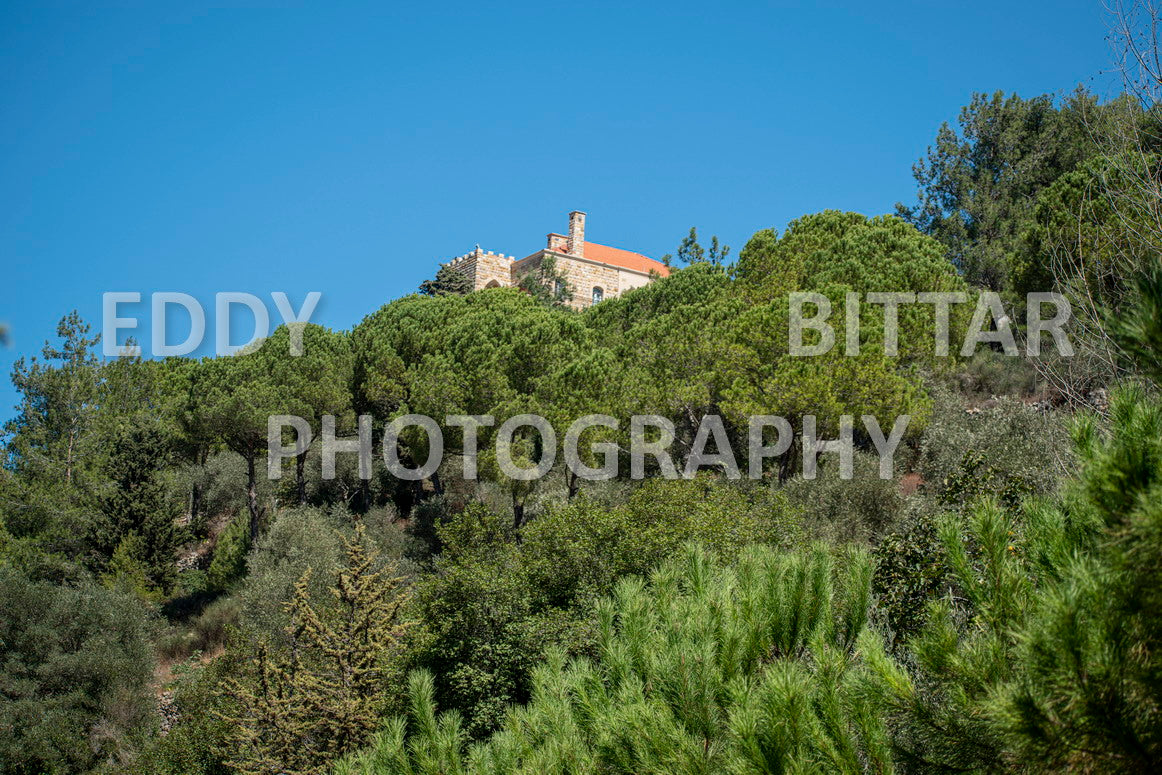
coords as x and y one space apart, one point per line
594 272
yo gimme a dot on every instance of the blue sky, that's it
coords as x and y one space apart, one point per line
346 148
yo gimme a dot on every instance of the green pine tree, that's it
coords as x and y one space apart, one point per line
321 698
703 668
138 528
448 281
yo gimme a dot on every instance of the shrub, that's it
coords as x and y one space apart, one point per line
704 668
221 484
576 552
75 664
228 564
299 539
856 509
1085 692
209 631
319 697
1043 657
991 373
423 525
196 736
910 570
1010 443
494 604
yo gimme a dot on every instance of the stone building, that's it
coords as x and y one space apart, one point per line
594 272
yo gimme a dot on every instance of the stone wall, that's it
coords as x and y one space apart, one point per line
485 268
582 276
627 280
576 243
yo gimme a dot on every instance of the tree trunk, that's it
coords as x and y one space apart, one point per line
574 484
364 496
518 513
200 457
195 502
252 497
787 463
69 457
301 477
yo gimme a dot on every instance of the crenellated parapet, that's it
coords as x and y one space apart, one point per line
593 272
484 268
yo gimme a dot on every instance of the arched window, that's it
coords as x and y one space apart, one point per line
558 288
598 294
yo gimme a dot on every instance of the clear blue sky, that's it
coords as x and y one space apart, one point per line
346 148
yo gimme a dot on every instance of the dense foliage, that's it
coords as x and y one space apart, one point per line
171 604
753 666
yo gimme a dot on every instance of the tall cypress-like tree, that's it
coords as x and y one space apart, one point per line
138 526
321 698
448 282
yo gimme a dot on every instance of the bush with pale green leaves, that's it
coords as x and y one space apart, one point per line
494 605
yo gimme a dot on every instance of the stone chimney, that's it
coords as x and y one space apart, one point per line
576 243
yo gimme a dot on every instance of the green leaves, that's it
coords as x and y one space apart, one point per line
547 284
75 663
1084 694
703 668
1040 654
977 187
319 699
448 282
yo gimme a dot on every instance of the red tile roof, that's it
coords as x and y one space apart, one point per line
626 259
